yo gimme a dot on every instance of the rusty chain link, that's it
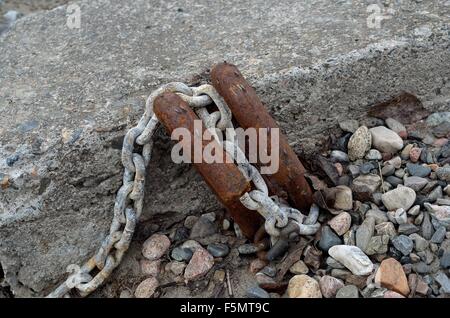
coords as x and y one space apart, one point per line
130 197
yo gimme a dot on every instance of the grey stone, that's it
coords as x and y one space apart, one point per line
442 130
443 173
96 84
440 214
270 271
349 125
338 156
419 219
353 258
211 216
407 229
415 210
348 291
366 184
420 244
378 245
394 181
328 239
373 154
445 260
387 170
427 227
434 195
334 263
386 140
202 228
438 118
218 249
415 183
246 249
354 170
386 228
403 243
181 254
190 221
340 273
421 268
444 281
443 201
400 197
364 233
257 292
366 168
439 236
400 173
400 216
418 170
396 162
395 126
378 215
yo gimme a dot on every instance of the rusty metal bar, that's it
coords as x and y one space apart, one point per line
249 111
224 179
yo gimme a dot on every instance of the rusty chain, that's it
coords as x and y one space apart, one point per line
130 197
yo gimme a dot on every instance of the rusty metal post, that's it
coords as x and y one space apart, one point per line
249 111
225 179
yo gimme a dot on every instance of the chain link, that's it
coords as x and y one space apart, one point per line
130 197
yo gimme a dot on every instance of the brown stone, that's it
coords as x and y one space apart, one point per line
155 247
358 281
303 286
200 263
391 275
256 265
146 288
414 154
341 223
422 287
329 286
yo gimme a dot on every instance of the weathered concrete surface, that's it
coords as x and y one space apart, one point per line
67 97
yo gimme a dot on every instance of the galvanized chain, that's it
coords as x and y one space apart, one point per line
130 197
129 201
277 214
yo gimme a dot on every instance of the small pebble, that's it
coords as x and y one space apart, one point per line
349 125
190 221
257 292
226 225
339 156
414 154
155 246
218 249
349 291
181 254
200 263
418 170
146 288
403 243
299 268
439 236
373 154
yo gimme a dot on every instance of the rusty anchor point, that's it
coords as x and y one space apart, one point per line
225 179
249 111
